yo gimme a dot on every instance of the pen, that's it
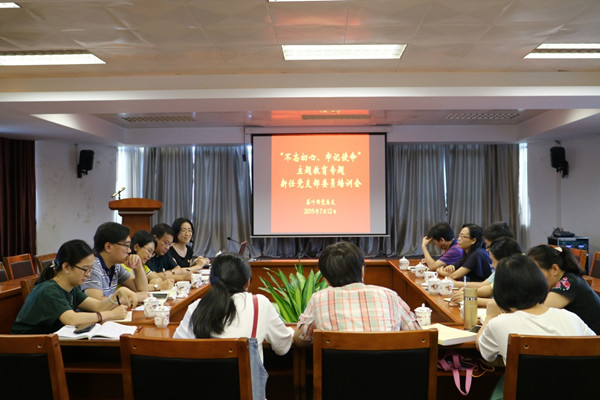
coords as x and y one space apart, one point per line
465 279
118 301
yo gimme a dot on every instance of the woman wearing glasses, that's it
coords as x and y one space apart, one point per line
475 263
143 244
57 300
181 251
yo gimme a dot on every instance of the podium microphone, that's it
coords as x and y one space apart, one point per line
118 192
243 245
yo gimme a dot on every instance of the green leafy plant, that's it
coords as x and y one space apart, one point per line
292 295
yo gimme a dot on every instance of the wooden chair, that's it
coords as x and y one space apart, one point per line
32 367
595 266
151 365
44 260
27 285
532 360
375 365
19 266
581 256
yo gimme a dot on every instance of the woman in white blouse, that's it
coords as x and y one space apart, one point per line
227 310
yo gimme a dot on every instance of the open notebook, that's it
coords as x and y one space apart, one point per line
108 330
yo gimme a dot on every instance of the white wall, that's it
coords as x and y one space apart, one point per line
69 207
573 202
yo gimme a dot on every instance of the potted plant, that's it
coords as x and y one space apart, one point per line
292 295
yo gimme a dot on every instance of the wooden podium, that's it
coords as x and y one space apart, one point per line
136 213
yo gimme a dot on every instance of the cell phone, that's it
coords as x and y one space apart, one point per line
84 329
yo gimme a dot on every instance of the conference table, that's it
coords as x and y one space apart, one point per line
90 362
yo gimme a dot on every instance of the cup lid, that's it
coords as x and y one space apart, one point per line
423 308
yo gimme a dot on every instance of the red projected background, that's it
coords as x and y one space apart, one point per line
320 184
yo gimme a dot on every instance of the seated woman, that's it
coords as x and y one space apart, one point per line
519 292
227 311
568 289
499 249
143 244
475 263
181 250
57 300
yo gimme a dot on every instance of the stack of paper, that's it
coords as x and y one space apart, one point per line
448 336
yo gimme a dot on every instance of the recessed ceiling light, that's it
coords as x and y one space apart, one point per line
343 51
566 50
305 1
9 5
61 57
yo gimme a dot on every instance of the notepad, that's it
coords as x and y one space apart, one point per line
108 330
448 336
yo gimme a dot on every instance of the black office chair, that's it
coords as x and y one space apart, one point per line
374 365
202 368
532 362
32 368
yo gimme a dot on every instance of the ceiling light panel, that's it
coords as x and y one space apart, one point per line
20 58
343 52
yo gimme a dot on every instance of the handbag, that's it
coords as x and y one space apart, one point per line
257 369
455 362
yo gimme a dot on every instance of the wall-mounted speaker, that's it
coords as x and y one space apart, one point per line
86 162
558 160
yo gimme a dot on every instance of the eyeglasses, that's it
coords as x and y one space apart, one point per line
464 237
149 251
184 230
128 244
87 269
168 244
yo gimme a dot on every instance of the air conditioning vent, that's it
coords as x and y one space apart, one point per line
483 116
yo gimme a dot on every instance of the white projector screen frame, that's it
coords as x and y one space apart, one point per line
320 185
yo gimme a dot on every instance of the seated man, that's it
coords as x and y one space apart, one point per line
162 262
348 304
111 244
442 237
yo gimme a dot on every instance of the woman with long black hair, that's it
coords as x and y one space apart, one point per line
228 311
567 288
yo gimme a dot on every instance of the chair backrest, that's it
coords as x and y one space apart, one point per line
3 274
375 365
581 256
27 285
42 260
595 266
32 367
19 266
151 365
531 360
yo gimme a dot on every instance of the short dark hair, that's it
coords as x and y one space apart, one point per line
341 263
109 232
159 230
177 227
441 230
504 246
475 232
496 230
545 256
142 238
519 283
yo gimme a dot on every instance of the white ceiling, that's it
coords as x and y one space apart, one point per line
198 71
